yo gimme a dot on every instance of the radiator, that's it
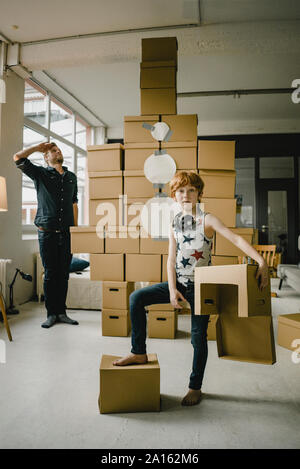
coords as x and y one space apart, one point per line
3 263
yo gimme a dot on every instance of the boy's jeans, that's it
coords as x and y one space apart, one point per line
159 293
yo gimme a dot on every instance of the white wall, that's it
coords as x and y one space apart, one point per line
11 140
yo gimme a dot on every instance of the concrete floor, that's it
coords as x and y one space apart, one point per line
50 384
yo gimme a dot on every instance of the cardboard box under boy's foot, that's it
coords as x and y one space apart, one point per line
132 388
288 330
162 324
247 339
116 322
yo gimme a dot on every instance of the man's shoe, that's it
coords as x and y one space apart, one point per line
50 321
66 319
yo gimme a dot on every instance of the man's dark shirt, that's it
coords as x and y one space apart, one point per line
56 194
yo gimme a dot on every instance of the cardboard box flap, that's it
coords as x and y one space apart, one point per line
107 146
154 117
133 146
107 363
102 174
158 64
83 229
134 172
223 173
290 319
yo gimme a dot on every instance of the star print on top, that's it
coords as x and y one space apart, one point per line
193 248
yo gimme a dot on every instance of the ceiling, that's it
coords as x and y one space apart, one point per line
222 44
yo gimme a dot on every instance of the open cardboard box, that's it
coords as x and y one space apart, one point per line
251 301
248 339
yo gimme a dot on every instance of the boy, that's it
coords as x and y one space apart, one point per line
190 245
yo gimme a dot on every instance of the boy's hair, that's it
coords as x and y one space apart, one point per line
183 178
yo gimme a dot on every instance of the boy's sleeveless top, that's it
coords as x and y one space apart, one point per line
193 248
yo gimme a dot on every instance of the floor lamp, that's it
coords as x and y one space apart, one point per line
3 208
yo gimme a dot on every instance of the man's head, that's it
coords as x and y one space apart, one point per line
53 155
186 187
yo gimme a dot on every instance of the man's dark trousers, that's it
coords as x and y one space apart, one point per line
55 251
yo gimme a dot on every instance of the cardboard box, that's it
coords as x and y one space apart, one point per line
162 324
137 153
224 260
150 245
107 157
226 248
84 239
184 127
116 294
250 299
105 184
218 155
224 209
137 185
143 267
158 101
122 239
218 184
132 388
248 339
288 330
183 153
134 131
159 48
115 322
211 330
158 74
132 210
107 267
108 211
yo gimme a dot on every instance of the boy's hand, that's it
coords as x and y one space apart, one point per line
175 296
262 275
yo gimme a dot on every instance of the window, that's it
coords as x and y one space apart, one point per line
35 103
279 167
29 200
61 120
60 124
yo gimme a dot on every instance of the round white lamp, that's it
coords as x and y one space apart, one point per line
159 168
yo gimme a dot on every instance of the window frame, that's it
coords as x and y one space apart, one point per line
46 132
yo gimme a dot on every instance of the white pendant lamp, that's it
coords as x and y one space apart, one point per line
159 168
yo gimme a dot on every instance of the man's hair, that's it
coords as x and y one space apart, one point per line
183 178
52 145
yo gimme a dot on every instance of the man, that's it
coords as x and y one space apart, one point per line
57 211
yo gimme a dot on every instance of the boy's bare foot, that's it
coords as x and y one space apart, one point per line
193 397
131 360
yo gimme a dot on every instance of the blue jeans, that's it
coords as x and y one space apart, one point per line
56 257
159 293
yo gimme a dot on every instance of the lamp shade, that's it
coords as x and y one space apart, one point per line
3 196
159 169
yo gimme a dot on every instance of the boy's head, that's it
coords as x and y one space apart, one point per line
186 187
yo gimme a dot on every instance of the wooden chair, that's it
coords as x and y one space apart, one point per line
3 311
268 252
